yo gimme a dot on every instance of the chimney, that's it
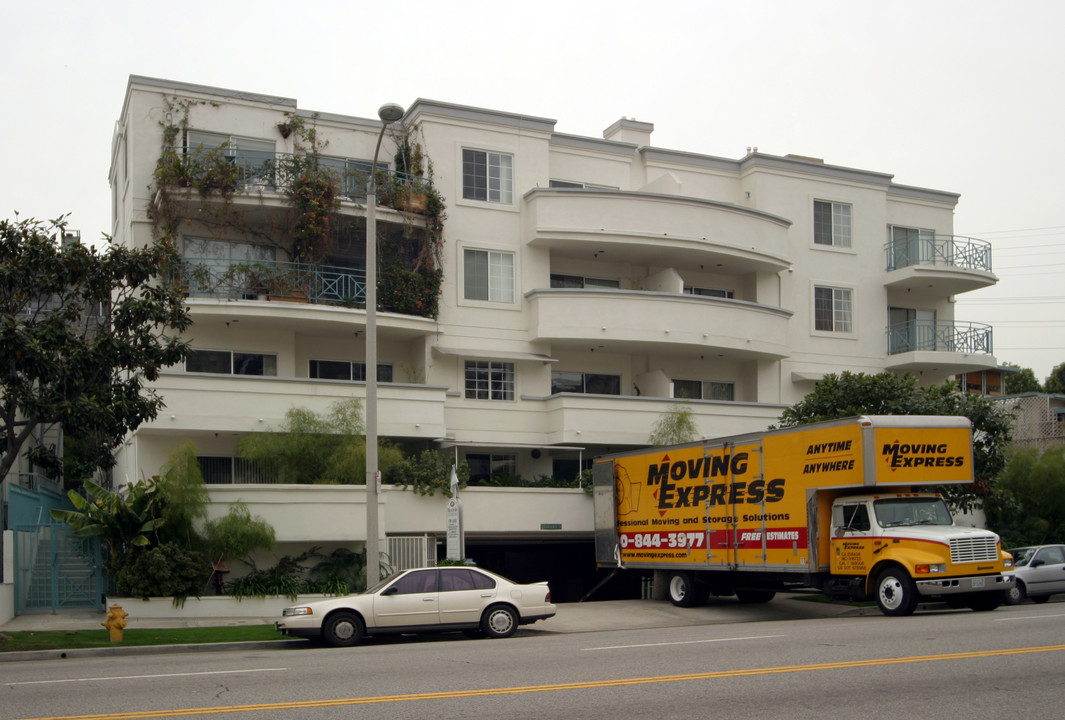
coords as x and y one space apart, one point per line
630 131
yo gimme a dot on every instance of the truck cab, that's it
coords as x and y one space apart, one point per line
898 547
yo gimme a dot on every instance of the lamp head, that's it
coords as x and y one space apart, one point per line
390 112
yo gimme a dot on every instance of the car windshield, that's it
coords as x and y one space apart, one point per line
384 582
895 512
1022 556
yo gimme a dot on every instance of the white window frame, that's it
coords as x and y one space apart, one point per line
269 362
498 264
841 229
500 383
842 308
498 177
355 368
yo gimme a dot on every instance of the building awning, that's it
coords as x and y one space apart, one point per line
489 354
447 443
807 376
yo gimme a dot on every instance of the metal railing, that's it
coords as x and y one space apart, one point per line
270 279
947 250
939 336
250 170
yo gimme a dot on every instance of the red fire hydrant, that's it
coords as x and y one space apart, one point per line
116 621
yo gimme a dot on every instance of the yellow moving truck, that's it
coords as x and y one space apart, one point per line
829 506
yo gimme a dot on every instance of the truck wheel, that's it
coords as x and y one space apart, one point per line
752 597
1016 594
896 595
682 590
986 601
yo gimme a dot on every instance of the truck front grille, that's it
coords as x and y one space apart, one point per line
969 550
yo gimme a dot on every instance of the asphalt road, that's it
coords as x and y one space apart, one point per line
935 664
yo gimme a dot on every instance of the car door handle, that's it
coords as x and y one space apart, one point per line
428 599
486 594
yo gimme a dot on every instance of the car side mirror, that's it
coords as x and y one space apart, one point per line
1037 562
390 591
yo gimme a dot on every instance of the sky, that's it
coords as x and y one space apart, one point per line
964 96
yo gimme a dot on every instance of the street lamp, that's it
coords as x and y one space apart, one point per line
389 113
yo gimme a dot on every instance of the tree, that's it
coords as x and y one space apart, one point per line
1028 505
1022 381
674 427
850 394
81 333
309 447
1056 381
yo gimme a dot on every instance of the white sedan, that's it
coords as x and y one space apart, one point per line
422 600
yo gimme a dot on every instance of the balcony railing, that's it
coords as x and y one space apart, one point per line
941 250
264 280
235 169
939 336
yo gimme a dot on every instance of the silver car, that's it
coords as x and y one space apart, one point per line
1039 572
420 600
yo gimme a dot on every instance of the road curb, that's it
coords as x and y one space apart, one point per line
28 655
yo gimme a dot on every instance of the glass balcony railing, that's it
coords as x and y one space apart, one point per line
271 280
246 170
939 336
951 251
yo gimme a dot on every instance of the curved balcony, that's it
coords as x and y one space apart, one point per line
948 263
652 229
939 346
628 319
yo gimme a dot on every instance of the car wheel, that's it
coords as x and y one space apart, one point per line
753 597
1016 594
682 590
499 621
896 595
1040 598
343 629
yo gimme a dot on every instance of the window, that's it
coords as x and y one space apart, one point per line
591 383
709 292
487 176
254 158
229 470
485 466
489 276
704 390
225 362
569 184
832 224
912 246
832 309
454 579
353 174
343 370
569 468
489 380
419 581
558 280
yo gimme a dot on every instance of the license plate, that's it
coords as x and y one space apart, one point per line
978 582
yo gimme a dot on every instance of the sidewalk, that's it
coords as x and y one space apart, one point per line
570 618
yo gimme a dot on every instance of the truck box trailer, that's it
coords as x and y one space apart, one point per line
839 506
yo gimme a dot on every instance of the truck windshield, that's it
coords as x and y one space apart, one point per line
895 512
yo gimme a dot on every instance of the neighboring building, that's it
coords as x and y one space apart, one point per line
1038 419
589 285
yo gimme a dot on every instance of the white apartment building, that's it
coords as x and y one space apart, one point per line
589 285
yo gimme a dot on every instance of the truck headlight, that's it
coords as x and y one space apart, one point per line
290 611
1007 563
930 569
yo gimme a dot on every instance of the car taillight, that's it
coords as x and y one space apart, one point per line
547 598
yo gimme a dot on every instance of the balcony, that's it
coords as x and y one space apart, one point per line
404 292
627 320
940 346
651 229
201 404
947 263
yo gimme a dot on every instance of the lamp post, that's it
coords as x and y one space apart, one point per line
389 113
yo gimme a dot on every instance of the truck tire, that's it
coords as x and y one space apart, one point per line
753 597
896 595
682 590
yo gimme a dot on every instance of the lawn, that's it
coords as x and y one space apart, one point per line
74 639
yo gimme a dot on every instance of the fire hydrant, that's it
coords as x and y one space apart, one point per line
116 621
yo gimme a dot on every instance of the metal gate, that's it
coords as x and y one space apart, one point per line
411 551
54 570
